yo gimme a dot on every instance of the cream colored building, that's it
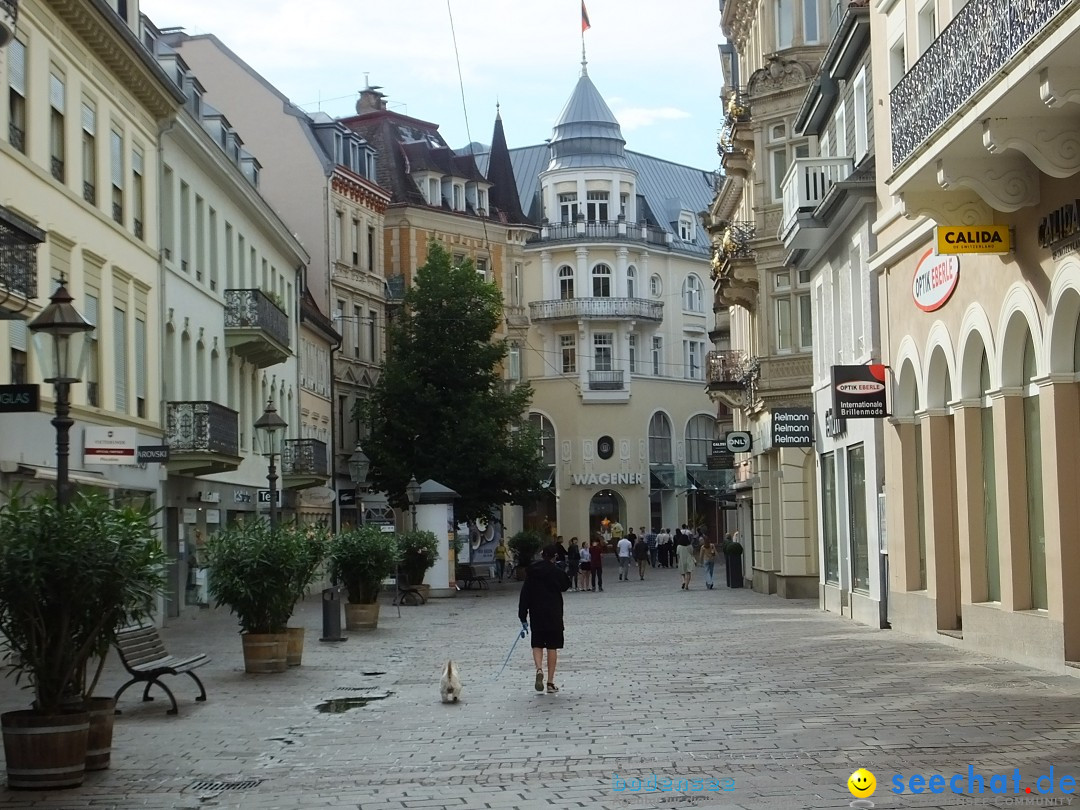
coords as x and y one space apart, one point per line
618 302
978 128
764 361
82 110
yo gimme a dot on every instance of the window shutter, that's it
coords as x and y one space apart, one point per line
89 119
140 358
137 160
17 335
117 153
92 309
120 358
17 67
56 92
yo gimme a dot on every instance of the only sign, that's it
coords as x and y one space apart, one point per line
738 441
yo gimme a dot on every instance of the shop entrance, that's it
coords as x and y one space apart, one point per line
605 504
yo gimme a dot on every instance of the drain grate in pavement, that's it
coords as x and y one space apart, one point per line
216 787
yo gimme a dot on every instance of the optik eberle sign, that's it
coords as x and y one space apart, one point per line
859 392
20 398
793 427
934 281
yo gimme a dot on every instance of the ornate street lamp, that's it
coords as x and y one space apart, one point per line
359 466
61 341
412 492
269 424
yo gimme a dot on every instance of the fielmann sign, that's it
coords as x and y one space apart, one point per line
859 392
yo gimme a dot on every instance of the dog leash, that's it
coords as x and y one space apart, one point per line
517 637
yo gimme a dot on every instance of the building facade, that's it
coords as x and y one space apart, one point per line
977 134
618 302
774 51
829 211
79 128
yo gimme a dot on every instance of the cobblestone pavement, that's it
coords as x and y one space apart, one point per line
775 695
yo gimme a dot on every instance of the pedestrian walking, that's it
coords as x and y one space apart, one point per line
685 557
541 603
596 564
583 568
663 542
573 562
650 541
707 557
500 559
641 556
624 549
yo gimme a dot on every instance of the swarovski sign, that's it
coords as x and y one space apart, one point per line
607 479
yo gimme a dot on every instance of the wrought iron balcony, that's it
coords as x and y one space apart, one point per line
89 193
203 437
606 380
57 167
726 369
807 182
602 232
975 49
18 262
734 266
256 328
637 309
304 463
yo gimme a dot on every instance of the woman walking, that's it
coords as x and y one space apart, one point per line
583 567
707 556
573 562
684 554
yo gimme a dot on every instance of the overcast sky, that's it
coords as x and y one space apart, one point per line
654 61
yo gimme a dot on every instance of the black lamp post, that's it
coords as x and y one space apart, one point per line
61 340
269 424
359 466
412 492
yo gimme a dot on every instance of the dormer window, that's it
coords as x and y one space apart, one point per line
339 149
686 227
434 195
459 197
481 201
369 164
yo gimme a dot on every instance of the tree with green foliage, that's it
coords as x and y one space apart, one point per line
440 409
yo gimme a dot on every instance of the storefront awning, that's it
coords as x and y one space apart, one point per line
83 477
661 478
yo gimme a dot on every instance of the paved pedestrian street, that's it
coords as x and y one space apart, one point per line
771 699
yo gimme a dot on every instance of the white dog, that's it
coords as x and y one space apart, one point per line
450 689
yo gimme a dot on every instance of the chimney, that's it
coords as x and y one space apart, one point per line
370 100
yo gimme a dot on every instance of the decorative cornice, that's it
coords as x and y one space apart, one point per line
1059 85
360 190
779 74
946 207
1005 184
1051 143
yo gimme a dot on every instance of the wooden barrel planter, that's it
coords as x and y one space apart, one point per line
295 652
42 752
265 652
101 711
361 617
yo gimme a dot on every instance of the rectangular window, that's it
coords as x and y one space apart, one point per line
657 355
459 197
783 324
927 26
120 356
515 285
482 268
778 161
138 211
897 62
806 322
811 23
858 340
686 229
89 153
371 248
213 233
434 192
861 135
358 318
785 23
116 157
93 358
140 368
339 236
16 70
357 241
568 207
860 549
596 206
692 356
828 518
17 332
603 345
372 343
568 349
56 126
841 130
514 361
632 346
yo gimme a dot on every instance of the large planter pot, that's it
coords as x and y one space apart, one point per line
295 651
361 617
42 752
265 652
101 711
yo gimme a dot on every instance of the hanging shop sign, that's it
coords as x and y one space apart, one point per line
935 280
793 427
859 392
738 441
1059 231
19 398
105 445
977 239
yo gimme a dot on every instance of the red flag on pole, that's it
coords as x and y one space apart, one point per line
584 18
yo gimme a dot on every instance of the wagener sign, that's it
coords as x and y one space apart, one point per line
607 479
977 239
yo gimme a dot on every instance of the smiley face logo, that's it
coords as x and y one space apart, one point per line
862 783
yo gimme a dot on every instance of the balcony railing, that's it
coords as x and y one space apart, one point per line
305 457
606 380
807 182
17 136
202 427
18 261
973 50
57 166
89 193
9 13
735 244
256 327
597 308
603 231
726 368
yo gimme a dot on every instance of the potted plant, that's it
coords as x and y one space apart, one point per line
417 552
315 542
733 567
253 570
525 545
360 559
70 578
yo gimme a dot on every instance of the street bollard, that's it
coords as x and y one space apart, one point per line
331 615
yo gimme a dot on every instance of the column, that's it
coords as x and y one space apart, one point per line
582 287
1059 406
621 264
939 494
970 517
1009 452
549 284
901 507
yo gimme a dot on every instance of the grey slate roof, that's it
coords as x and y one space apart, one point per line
586 132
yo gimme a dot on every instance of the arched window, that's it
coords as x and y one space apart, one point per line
631 282
601 281
566 282
659 439
699 435
547 437
692 300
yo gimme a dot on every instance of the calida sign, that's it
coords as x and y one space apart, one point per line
977 239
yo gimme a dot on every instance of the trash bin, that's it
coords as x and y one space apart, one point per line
331 615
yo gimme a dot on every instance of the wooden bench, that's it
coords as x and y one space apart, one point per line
144 657
469 574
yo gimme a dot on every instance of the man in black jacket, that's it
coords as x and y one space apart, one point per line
541 602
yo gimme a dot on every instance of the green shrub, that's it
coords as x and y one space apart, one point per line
417 551
360 559
525 545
